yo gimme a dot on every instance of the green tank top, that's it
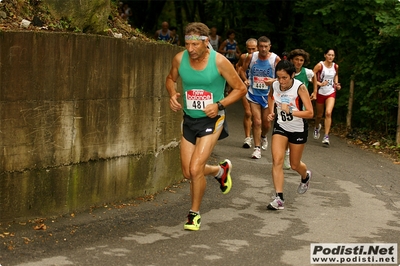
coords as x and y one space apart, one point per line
200 87
302 76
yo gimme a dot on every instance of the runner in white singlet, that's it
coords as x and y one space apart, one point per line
325 87
293 107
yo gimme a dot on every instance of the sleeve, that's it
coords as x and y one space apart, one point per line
310 74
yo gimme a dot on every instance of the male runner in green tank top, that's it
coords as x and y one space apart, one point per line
204 74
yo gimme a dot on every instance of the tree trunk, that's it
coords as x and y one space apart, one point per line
138 16
398 122
179 21
154 10
350 108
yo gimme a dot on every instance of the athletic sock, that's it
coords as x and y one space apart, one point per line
280 194
305 179
198 212
221 171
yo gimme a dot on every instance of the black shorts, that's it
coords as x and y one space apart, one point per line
293 137
193 128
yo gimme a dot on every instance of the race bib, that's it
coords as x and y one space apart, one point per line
285 99
197 99
231 54
258 83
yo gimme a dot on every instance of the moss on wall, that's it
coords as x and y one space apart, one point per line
86 15
88 122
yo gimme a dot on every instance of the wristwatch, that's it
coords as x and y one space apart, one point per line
290 110
220 106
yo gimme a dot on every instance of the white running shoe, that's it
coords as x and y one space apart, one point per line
276 204
256 153
247 143
303 187
325 140
316 132
286 162
264 143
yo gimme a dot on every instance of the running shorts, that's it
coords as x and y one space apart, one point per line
293 137
261 100
193 128
322 98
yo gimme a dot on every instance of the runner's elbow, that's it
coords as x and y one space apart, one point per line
243 89
310 114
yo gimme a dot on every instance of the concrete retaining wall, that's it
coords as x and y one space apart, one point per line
84 120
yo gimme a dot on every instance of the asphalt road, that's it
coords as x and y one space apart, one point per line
354 198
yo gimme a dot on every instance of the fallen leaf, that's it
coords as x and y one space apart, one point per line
40 227
26 240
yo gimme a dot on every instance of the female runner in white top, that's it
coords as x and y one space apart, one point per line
293 107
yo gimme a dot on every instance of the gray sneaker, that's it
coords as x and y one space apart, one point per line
264 143
325 140
247 143
276 204
303 187
286 162
316 132
256 153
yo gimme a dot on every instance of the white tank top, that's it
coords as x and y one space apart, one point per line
290 97
214 43
329 75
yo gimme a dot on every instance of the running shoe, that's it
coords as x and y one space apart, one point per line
286 162
264 143
303 187
247 143
316 132
256 153
276 204
225 180
193 223
325 140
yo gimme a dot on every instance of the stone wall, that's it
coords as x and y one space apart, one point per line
84 120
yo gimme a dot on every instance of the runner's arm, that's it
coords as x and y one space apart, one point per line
242 69
170 83
308 113
336 79
317 68
238 52
221 48
232 78
240 63
271 104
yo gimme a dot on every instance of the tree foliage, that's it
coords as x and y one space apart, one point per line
364 34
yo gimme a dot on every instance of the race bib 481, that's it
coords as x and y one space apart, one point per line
197 99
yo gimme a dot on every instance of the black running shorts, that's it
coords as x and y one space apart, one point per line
193 128
293 137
